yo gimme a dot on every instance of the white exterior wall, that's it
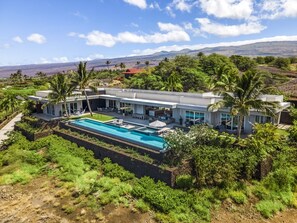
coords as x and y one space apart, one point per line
176 114
138 109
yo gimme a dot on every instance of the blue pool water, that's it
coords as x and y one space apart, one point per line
150 141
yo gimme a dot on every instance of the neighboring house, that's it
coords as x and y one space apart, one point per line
132 71
179 107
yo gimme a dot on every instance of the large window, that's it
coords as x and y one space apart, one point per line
112 103
50 109
193 117
229 122
263 119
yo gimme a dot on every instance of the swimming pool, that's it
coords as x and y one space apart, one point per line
149 141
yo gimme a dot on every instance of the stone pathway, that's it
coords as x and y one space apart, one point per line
9 127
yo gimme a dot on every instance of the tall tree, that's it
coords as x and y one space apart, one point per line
173 83
61 88
9 102
122 65
246 96
82 79
108 62
147 63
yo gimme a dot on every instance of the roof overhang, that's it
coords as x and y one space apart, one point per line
154 103
192 107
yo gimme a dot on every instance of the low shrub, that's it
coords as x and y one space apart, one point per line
142 206
184 181
238 197
114 170
268 208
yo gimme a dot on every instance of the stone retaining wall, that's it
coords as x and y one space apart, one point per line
141 150
138 167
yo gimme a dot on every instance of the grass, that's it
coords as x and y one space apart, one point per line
268 207
98 117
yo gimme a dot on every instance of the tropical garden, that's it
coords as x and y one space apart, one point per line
258 171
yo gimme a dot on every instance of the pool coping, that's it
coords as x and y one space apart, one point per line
122 139
155 154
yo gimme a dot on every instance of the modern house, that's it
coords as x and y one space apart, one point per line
178 107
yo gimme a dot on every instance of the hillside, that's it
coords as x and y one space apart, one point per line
281 48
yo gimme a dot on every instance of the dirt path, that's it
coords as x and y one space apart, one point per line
9 127
44 201
41 201
229 213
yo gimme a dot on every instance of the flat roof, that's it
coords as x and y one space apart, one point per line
164 104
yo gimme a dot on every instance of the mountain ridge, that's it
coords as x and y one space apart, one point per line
272 48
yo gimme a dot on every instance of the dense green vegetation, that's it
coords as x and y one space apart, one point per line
204 73
224 167
222 164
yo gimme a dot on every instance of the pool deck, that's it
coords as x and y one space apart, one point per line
129 118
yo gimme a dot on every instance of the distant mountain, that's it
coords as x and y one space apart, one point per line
277 48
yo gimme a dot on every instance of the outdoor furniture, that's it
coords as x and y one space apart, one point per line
157 124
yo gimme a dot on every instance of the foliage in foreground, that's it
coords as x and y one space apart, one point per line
103 182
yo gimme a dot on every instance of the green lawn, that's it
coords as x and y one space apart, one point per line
99 117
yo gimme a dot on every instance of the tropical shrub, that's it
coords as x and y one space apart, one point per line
217 166
184 181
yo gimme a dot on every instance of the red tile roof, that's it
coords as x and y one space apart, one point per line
133 71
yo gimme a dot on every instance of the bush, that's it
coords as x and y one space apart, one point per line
269 207
113 190
142 206
184 181
217 166
114 170
238 197
86 182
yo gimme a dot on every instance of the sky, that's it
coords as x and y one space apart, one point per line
54 31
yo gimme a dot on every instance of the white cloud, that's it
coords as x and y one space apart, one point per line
229 30
169 33
155 5
90 57
17 39
139 3
273 9
201 46
170 11
233 9
195 31
168 27
36 38
97 38
182 5
60 59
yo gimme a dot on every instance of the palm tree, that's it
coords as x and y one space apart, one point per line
173 83
225 79
108 62
82 79
246 96
122 66
9 102
137 63
147 63
61 89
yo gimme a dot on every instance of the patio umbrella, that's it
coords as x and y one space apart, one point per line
157 124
